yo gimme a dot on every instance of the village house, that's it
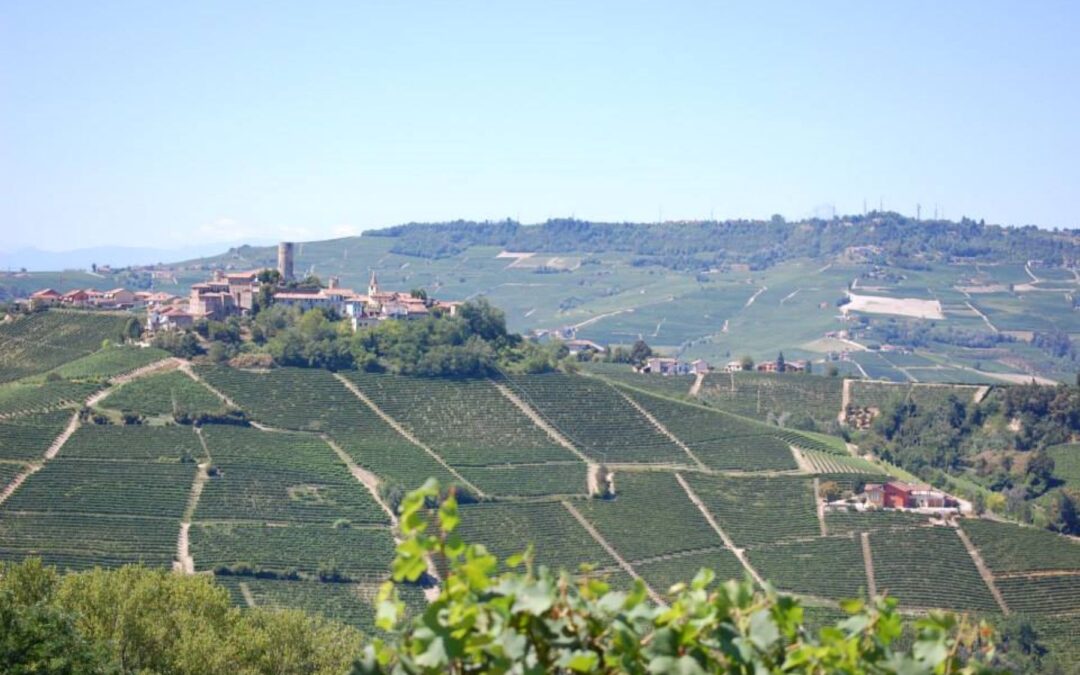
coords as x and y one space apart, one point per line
44 297
733 366
662 365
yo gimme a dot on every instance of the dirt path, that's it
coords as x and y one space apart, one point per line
755 296
1035 574
369 480
1027 268
804 464
598 317
980 394
664 430
185 368
185 564
982 316
611 551
845 400
739 553
695 388
868 562
396 426
70 429
820 507
17 481
246 592
539 421
164 364
984 571
790 295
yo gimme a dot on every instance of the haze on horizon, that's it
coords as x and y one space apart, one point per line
125 123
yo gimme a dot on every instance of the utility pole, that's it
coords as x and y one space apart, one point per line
918 212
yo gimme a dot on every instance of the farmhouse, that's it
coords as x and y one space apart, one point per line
901 495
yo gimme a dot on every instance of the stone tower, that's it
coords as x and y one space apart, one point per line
285 260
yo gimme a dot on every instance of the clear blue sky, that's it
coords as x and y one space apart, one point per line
165 123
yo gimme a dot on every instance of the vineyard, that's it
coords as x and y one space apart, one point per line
848 522
77 541
110 362
1007 548
173 444
1056 594
761 395
663 573
675 386
559 539
269 476
828 462
78 486
719 440
929 567
164 394
878 394
40 342
24 398
468 422
289 398
651 516
759 510
356 554
27 438
597 419
827 567
529 480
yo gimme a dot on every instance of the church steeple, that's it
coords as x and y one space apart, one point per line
373 285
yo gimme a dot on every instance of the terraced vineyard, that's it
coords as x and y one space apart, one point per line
269 476
20 398
719 440
289 398
849 522
40 342
137 443
78 541
759 510
26 438
664 572
506 529
75 486
929 567
827 567
760 395
829 462
1007 548
597 419
651 516
358 554
9 470
675 386
164 394
110 362
529 480
467 421
1056 594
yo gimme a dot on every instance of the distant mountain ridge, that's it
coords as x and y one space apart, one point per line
34 259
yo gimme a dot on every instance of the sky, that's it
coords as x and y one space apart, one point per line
168 124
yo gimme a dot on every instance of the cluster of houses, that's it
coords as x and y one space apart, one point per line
117 298
235 294
797 366
228 294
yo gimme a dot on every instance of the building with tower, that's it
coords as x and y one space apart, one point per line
285 260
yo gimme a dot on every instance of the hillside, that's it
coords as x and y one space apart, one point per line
298 509
1002 302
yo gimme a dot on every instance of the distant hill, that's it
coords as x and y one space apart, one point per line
35 260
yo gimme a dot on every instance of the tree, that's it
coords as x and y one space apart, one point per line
132 329
781 365
830 491
746 362
640 352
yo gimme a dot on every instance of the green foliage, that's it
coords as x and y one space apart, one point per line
44 340
135 620
541 621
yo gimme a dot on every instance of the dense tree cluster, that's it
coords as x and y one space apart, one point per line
692 245
1000 443
473 342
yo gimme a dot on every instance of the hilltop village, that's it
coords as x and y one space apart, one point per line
229 294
